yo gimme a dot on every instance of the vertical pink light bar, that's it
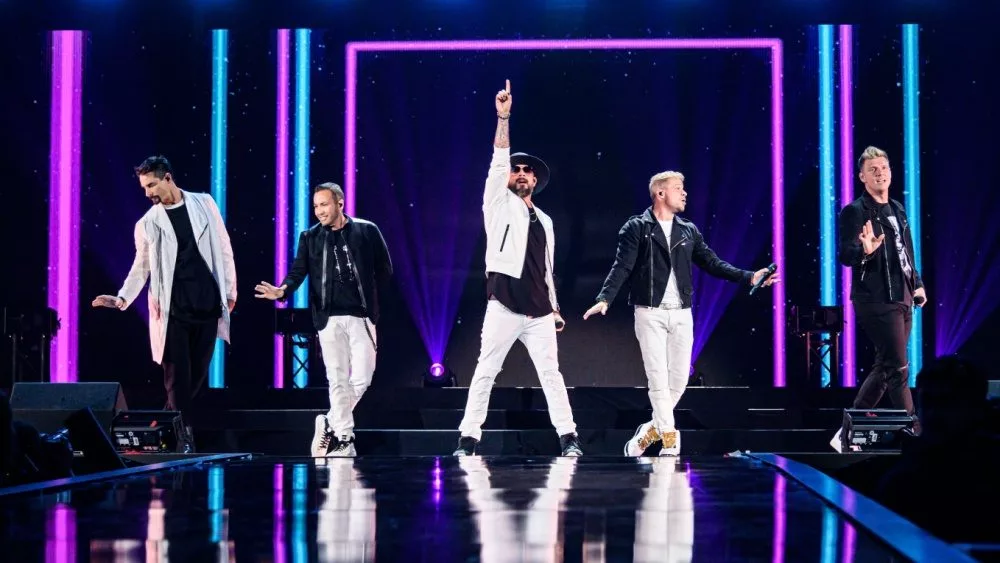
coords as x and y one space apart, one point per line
64 200
281 191
777 124
849 353
850 533
780 520
778 206
60 537
279 514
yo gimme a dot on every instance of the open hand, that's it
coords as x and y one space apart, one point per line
267 291
109 301
869 242
504 100
599 307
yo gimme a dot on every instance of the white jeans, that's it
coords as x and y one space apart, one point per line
501 328
666 337
349 357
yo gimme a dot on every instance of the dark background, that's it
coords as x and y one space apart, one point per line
604 121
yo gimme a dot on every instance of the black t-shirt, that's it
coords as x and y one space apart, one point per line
529 294
345 298
195 295
904 270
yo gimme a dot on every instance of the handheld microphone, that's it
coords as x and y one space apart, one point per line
560 324
770 272
919 300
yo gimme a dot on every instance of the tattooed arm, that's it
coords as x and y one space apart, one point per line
496 180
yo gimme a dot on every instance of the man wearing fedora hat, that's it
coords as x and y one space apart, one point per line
520 248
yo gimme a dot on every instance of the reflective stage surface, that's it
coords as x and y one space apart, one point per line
439 509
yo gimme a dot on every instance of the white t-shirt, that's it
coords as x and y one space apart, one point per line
672 296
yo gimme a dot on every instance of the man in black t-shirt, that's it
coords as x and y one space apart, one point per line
183 248
520 246
875 242
347 263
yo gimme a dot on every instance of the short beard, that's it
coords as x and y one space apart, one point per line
520 191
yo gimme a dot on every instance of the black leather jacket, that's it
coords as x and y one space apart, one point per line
879 277
369 255
644 260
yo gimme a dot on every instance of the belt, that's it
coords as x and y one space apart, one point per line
666 306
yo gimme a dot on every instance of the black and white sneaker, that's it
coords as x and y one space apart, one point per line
570 445
322 437
466 446
342 447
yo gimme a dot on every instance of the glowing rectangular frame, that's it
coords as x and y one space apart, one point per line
777 123
64 201
220 110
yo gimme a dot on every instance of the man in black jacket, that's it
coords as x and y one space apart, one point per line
655 253
347 262
885 284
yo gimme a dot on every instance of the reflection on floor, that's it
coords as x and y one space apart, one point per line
439 509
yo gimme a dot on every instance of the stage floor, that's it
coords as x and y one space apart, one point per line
440 509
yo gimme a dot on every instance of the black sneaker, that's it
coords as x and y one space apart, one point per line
570 445
322 437
466 446
342 447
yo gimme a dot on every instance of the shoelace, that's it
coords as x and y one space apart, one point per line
324 442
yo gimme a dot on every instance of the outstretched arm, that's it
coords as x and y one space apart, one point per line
706 259
496 180
139 272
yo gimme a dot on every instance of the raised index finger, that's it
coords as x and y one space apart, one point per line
507 87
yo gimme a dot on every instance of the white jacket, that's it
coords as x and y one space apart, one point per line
506 218
156 257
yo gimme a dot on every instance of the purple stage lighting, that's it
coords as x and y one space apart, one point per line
281 190
848 376
773 45
437 370
64 200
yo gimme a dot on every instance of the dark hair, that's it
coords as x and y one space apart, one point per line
338 193
158 166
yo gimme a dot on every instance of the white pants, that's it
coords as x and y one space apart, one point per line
349 357
664 522
666 337
501 328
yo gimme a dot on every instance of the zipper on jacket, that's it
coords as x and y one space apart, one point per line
650 237
504 241
322 292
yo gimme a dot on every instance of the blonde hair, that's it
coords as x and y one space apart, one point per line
663 177
871 153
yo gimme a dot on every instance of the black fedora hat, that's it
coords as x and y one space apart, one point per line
538 165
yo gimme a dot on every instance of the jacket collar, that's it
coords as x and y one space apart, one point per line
657 233
195 214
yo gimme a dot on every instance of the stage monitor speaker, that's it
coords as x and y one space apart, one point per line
92 447
46 406
149 432
875 430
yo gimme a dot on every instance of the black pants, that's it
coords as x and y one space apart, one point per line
888 328
186 359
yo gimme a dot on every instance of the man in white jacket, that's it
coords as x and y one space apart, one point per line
520 248
182 247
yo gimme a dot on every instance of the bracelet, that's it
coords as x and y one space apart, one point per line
503 116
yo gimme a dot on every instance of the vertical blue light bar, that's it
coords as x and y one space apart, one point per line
216 502
827 173
300 511
911 175
220 92
302 202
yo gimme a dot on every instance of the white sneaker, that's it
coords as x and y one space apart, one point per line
671 443
836 443
645 436
343 447
322 437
